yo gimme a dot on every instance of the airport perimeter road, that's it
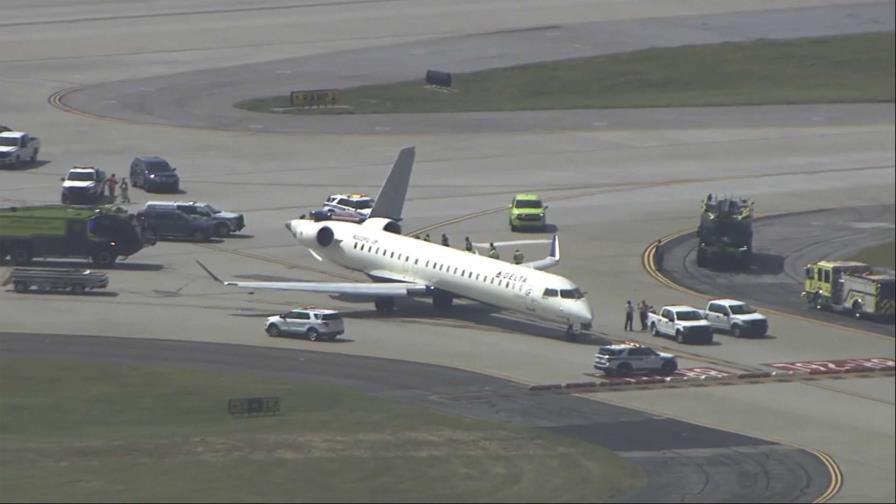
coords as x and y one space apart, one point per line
680 461
783 246
612 190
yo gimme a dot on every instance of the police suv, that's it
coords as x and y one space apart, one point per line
311 322
631 357
356 203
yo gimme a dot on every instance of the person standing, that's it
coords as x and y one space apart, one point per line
111 184
517 257
642 314
125 198
629 315
445 240
492 251
468 245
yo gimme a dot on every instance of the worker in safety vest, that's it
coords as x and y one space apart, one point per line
492 251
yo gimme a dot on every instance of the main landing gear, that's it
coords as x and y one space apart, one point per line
384 305
442 300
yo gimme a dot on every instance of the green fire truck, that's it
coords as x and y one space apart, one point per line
101 234
725 234
849 286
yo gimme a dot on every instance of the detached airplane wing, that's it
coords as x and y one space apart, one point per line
386 289
551 260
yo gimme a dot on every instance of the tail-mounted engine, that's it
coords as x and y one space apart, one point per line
387 225
325 236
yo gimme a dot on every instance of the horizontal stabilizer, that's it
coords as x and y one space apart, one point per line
551 260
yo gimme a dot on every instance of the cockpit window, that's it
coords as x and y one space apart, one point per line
571 294
550 293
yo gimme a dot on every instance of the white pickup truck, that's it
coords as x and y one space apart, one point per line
736 317
17 147
684 323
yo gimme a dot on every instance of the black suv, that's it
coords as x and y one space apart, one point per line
174 224
153 173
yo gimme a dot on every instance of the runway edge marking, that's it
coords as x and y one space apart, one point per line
649 265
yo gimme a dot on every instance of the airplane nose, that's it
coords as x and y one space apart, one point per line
583 312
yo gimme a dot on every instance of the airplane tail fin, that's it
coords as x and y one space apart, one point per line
390 200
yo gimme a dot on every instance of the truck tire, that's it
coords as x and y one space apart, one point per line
33 158
222 229
312 334
274 331
624 369
103 257
701 258
736 331
199 236
77 289
857 309
20 286
654 331
817 302
679 336
20 255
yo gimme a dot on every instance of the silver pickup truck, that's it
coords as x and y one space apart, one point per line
17 147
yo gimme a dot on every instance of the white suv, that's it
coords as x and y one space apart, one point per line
360 204
310 322
633 357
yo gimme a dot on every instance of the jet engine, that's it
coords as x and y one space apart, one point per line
325 236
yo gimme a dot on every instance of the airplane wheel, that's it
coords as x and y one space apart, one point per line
384 305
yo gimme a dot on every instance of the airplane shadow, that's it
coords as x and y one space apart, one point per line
89 293
484 316
761 263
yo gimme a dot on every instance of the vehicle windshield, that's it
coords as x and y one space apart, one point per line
741 309
9 142
688 315
610 351
360 204
212 209
81 176
528 204
571 294
158 167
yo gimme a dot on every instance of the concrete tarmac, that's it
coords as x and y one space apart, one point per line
612 190
783 246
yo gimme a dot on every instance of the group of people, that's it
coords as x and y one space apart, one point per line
112 183
468 246
643 309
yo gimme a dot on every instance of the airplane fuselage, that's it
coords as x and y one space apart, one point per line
388 256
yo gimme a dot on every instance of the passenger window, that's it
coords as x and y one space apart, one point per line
827 276
455 270
392 255
416 262
355 246
303 316
818 275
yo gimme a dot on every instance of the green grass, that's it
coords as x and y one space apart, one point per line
852 68
79 431
883 255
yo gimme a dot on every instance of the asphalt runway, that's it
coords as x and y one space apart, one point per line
612 188
680 460
204 98
783 246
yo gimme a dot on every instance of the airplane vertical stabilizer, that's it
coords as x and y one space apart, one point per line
390 200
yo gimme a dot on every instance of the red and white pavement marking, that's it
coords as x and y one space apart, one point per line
681 374
836 366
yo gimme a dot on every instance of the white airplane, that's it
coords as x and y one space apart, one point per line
402 266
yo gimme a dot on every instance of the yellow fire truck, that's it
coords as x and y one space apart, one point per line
849 286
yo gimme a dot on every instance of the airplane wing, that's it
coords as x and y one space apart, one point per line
388 289
551 260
